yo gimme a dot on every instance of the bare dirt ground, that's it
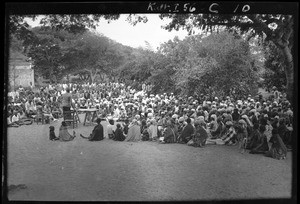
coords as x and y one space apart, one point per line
144 171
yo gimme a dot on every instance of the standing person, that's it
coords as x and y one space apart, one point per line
97 133
67 100
242 135
153 130
31 86
64 135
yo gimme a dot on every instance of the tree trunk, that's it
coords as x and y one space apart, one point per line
93 78
289 73
93 75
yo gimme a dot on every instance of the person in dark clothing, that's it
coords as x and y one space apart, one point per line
264 120
119 136
278 150
67 103
254 136
200 135
284 132
235 115
97 133
87 95
125 127
261 146
144 131
187 132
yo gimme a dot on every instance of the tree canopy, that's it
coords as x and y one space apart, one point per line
225 59
278 29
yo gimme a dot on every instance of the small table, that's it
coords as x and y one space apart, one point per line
89 112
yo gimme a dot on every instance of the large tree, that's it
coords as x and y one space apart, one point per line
217 63
278 29
45 52
90 54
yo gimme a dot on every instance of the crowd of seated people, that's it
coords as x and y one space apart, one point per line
259 125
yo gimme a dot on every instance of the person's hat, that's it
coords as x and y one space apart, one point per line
197 122
213 116
244 116
174 116
201 117
229 123
242 122
134 121
181 119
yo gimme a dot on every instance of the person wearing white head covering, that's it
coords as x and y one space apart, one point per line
153 130
134 132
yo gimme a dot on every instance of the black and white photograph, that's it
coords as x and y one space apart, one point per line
150 101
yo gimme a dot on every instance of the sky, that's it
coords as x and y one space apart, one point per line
135 36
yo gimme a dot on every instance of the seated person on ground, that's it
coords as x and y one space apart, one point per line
200 135
261 145
187 132
52 135
97 133
144 131
111 129
169 135
230 135
119 135
278 150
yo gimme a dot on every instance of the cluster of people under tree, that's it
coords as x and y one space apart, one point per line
255 123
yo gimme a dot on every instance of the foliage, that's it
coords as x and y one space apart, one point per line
274 74
46 54
271 28
215 65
